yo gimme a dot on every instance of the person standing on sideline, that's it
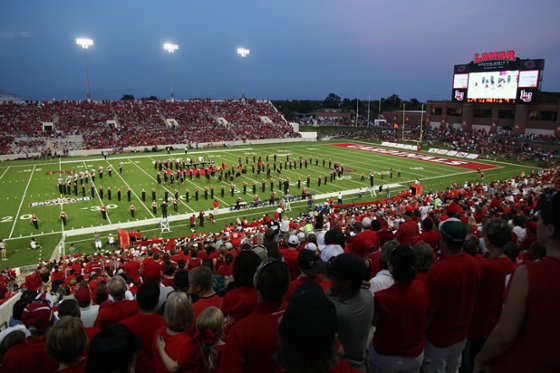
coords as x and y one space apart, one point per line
3 250
97 240
387 192
340 198
63 217
35 221
132 208
201 218
216 204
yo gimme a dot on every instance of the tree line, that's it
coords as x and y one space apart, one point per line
292 108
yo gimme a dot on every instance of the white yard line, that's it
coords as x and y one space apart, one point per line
22 199
102 204
151 177
5 172
128 186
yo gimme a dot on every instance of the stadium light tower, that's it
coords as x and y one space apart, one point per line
171 48
243 53
85 44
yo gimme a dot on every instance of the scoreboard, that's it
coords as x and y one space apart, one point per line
497 77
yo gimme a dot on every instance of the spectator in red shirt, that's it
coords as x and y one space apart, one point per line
309 271
495 271
424 260
30 356
400 317
253 342
111 312
408 230
290 256
66 343
453 285
526 338
240 299
145 324
201 281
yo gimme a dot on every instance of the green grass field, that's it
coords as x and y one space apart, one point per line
26 182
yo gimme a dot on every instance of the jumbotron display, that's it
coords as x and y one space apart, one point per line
497 77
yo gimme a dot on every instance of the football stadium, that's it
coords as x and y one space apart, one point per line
260 235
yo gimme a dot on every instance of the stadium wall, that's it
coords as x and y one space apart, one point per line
306 136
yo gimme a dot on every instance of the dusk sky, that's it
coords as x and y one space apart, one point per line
299 49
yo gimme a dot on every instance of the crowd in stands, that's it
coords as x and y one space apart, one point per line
136 123
502 145
465 278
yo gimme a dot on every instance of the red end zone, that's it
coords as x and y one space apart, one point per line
419 157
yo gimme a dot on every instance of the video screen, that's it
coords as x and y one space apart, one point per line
529 79
493 84
460 81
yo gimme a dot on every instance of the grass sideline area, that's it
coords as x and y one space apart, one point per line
30 187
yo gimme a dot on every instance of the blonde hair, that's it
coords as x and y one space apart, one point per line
179 313
211 318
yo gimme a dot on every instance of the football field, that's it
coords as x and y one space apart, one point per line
31 188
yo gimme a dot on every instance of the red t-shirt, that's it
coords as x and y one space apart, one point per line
173 346
325 284
225 269
238 303
403 308
203 303
375 265
144 326
453 285
290 258
538 342
489 303
111 313
29 356
253 341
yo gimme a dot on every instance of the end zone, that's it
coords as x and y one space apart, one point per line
460 163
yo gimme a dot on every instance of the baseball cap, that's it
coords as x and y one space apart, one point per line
329 251
38 314
307 262
112 349
359 244
82 295
293 240
309 322
366 222
532 226
311 246
454 230
348 266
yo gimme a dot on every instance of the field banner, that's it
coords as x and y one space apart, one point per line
400 146
436 158
124 239
453 153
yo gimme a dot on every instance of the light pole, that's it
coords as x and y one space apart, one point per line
171 48
85 44
243 53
